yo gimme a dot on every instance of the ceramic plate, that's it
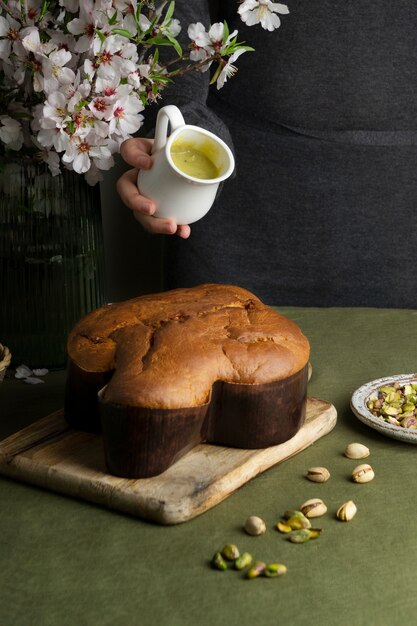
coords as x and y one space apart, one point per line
358 406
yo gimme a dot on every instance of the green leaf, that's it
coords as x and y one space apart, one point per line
175 44
81 104
113 18
170 11
226 32
216 74
123 32
44 8
101 35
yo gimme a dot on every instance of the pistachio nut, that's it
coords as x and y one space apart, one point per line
254 526
256 570
318 474
347 511
315 532
300 536
292 513
283 527
218 562
243 561
356 451
230 552
314 508
299 521
274 569
363 473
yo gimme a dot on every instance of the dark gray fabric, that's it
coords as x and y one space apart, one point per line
322 116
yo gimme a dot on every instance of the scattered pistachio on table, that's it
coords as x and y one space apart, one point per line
255 526
218 562
274 569
256 570
346 511
298 521
304 534
318 474
356 451
396 404
244 560
283 527
230 552
363 473
314 508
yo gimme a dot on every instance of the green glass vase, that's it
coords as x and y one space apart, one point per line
51 259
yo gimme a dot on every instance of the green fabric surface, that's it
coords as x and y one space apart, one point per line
65 562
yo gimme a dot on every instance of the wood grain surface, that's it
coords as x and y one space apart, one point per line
51 455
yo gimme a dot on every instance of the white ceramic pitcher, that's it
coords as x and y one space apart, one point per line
178 195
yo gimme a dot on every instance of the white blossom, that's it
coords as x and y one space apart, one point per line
263 12
11 132
228 69
75 79
123 116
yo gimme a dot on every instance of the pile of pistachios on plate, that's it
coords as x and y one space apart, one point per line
395 404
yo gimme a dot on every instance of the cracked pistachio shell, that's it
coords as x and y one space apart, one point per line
314 508
356 451
255 526
363 473
347 511
318 474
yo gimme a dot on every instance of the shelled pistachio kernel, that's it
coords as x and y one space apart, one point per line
318 474
315 532
218 562
298 521
363 473
300 536
283 527
230 552
254 526
356 451
272 570
314 508
396 404
256 570
292 513
243 561
346 511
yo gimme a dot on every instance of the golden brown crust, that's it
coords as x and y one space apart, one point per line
168 349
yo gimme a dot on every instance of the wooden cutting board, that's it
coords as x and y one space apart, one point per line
51 455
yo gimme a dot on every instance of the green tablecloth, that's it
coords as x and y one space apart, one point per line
65 562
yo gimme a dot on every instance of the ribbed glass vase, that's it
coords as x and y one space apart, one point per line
51 260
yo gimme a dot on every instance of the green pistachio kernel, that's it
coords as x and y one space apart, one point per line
272 570
218 562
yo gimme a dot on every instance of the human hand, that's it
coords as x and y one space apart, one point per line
137 152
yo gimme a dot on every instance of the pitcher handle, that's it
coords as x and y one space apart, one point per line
168 114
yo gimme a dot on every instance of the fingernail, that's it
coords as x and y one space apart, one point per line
144 163
169 229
